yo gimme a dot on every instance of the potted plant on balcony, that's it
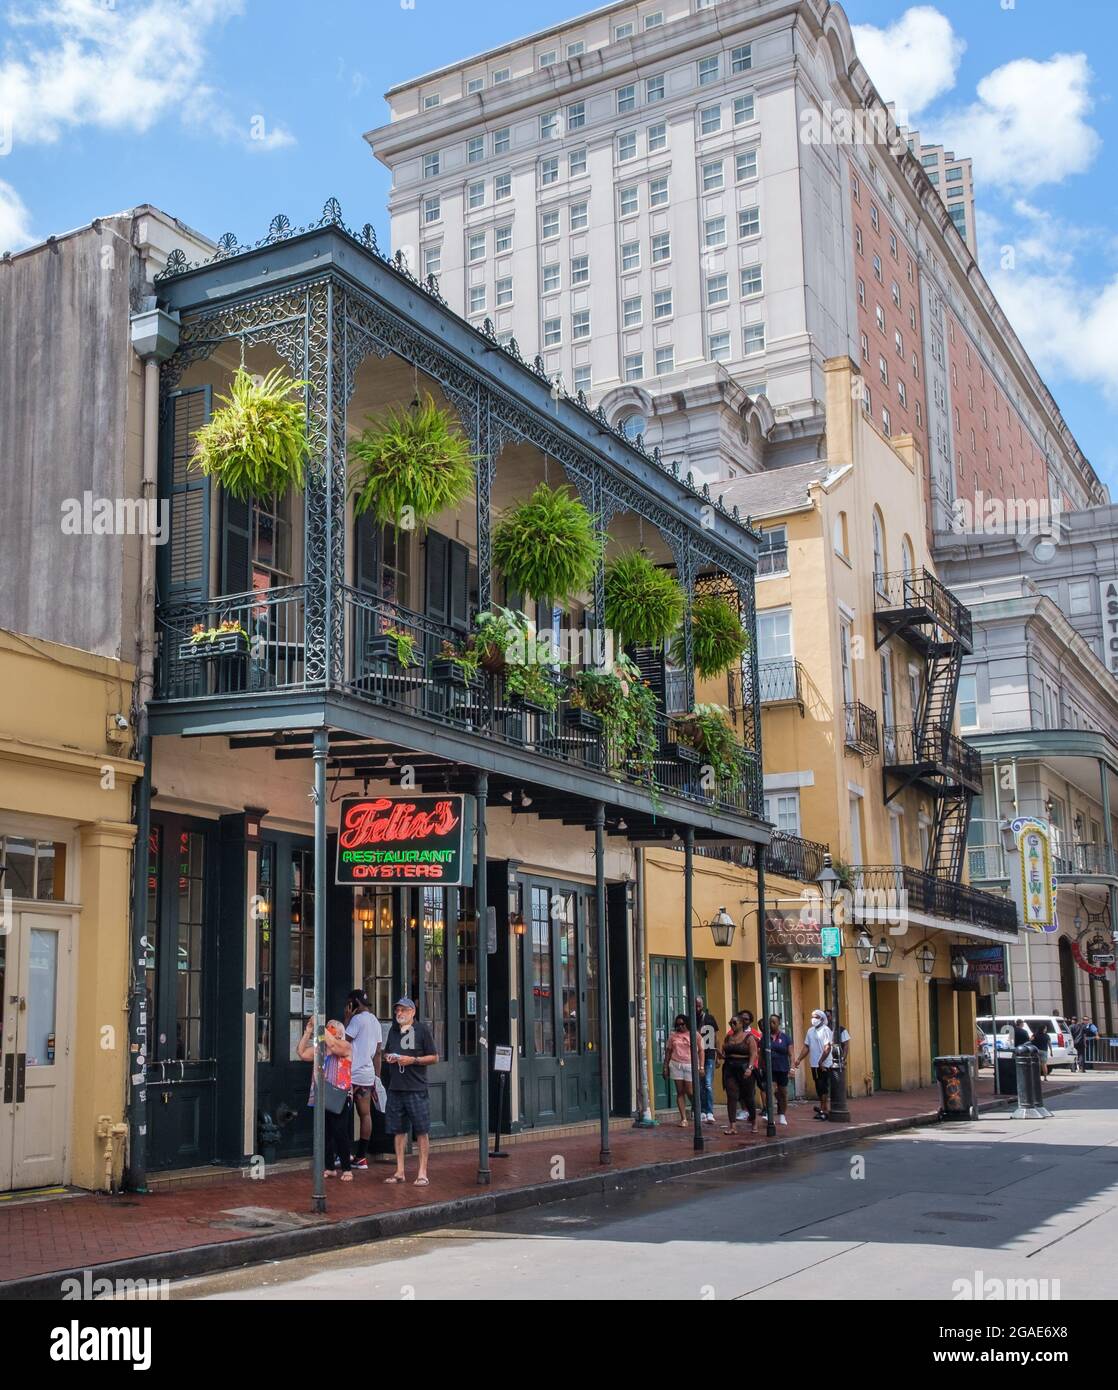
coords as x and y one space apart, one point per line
718 640
708 731
625 707
547 545
457 663
255 443
585 692
644 603
845 873
228 638
393 645
409 465
502 636
533 688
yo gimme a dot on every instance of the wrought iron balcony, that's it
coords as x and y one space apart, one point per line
1085 861
861 729
781 682
898 888
933 756
924 611
795 857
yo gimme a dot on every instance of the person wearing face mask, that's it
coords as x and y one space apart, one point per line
408 1051
780 1045
817 1048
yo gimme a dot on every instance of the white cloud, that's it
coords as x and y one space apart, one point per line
15 224
74 63
1028 126
913 61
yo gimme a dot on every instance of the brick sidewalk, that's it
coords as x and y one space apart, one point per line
38 1237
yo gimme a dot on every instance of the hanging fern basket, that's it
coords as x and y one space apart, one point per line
547 546
644 604
255 443
718 640
409 465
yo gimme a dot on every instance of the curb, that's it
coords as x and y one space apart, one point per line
219 1256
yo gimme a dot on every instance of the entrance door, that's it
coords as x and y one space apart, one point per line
780 1002
34 1048
875 1035
669 997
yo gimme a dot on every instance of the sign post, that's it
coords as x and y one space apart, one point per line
502 1065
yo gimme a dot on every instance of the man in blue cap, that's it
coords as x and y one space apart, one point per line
408 1051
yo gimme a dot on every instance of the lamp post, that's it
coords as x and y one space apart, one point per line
828 882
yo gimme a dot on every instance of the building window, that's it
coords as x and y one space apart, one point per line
475 196
548 59
718 347
661 247
549 125
551 280
580 216
902 393
432 259
502 187
657 137
475 149
886 420
501 140
883 370
475 246
576 50
754 339
710 120
878 553
743 109
477 299
654 88
714 231
865 345
626 98
741 59
431 166
746 165
576 162
782 809
749 222
552 332
549 171
665 360
504 291
634 366
580 270
839 536
658 193
576 115
718 290
751 281
503 239
772 558
631 255
474 85
968 701
580 325
549 227
501 75
632 312
662 304
708 70
1079 597
629 201
623 31
432 210
582 379
875 218
880 317
627 146
654 20
858 240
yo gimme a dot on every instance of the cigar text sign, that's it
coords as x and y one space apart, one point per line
405 839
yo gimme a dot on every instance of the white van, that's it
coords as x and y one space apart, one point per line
1061 1052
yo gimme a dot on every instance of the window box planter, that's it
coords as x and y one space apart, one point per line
582 720
530 706
683 753
228 644
451 673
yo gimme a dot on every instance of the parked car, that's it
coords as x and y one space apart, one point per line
1062 1051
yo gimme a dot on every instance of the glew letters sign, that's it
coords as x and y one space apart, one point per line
413 839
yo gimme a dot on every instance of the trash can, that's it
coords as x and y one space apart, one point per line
1007 1074
958 1092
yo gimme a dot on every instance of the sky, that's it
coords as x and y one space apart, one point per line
225 112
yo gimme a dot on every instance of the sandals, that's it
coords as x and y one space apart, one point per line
729 1131
395 1178
345 1176
422 1182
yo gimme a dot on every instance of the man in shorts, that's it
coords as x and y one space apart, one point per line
408 1051
817 1048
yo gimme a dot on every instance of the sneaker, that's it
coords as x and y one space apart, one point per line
708 1119
819 1115
782 1119
360 1163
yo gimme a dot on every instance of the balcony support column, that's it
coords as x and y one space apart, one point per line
689 943
485 469
481 907
603 980
321 890
763 961
1108 845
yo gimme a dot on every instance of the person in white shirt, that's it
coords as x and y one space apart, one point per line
363 1030
817 1048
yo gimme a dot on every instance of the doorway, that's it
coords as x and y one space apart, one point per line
875 1034
669 997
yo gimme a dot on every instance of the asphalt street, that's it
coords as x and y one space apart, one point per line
928 1213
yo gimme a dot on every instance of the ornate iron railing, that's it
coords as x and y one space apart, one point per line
861 728
781 681
897 887
906 746
263 647
926 598
795 857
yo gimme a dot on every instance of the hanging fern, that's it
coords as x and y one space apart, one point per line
547 546
644 604
409 465
718 640
254 444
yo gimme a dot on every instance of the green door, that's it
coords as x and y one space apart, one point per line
780 1002
933 1021
874 1046
669 997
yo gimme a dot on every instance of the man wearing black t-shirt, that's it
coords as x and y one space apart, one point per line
408 1051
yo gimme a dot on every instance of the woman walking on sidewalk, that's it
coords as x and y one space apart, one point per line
780 1045
336 1073
677 1065
739 1074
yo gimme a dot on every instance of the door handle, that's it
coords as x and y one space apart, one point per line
9 1077
21 1077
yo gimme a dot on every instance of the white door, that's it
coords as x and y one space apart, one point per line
34 1060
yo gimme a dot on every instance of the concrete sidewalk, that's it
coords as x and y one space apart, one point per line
240 1221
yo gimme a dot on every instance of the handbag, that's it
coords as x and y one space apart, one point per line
334 1098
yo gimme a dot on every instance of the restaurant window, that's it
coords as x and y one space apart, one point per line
301 942
188 972
540 982
434 965
376 914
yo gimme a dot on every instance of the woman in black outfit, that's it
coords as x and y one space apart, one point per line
739 1073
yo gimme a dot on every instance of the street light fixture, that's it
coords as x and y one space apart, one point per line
926 958
863 948
722 928
883 953
828 882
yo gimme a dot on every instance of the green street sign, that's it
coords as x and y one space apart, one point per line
831 938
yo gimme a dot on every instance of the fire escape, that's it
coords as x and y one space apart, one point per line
926 755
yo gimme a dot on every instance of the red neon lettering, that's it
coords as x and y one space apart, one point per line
367 824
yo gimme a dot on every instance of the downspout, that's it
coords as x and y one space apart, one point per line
155 336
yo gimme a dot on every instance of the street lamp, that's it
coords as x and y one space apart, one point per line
926 959
883 954
722 928
863 948
828 883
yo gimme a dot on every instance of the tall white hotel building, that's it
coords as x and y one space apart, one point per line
660 199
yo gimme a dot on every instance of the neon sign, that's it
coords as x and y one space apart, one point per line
405 839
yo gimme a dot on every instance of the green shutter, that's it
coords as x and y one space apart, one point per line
185 561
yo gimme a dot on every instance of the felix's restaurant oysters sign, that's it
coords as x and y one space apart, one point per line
414 839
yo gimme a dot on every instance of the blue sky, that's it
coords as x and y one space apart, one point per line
225 112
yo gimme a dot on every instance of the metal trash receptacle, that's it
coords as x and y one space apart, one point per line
957 1077
1007 1074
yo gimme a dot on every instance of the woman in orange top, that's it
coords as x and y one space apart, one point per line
677 1064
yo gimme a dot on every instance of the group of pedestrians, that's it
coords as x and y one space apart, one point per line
1084 1033
361 1069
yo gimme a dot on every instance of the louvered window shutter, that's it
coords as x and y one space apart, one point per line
185 563
236 541
366 555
